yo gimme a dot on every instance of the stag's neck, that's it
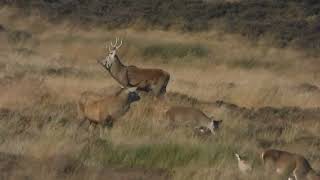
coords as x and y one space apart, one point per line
119 72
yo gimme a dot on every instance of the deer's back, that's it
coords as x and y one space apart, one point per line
97 108
186 115
137 75
286 161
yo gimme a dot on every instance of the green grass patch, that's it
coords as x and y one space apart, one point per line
166 155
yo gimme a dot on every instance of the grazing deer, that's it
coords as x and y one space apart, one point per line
288 164
244 166
148 80
189 116
104 110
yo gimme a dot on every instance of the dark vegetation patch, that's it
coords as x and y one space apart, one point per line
256 64
175 50
25 51
15 36
64 71
287 22
18 36
307 87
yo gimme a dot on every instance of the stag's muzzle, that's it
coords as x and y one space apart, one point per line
133 96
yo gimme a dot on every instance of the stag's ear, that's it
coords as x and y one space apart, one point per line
132 89
237 156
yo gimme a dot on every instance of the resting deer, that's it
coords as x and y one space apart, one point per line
189 116
287 164
148 80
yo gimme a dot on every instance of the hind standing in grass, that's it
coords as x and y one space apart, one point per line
105 110
287 164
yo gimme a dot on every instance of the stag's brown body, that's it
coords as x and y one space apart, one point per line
149 80
288 164
104 110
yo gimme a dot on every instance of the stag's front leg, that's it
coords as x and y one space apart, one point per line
155 89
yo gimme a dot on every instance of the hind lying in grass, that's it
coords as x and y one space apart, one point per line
192 117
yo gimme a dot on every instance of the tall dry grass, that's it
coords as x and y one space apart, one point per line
42 77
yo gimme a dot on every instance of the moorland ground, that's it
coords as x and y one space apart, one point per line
267 97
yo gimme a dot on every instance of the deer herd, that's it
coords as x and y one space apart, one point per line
104 110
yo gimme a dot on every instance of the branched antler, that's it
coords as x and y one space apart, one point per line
114 46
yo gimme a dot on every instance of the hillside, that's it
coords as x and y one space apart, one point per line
267 96
282 22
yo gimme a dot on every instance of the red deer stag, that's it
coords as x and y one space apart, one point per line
148 80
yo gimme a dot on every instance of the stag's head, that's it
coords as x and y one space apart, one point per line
112 55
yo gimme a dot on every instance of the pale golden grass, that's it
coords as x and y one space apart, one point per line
70 47
221 75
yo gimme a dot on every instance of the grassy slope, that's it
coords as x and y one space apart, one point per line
40 60
282 22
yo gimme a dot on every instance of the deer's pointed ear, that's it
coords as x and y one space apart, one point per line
237 156
132 89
